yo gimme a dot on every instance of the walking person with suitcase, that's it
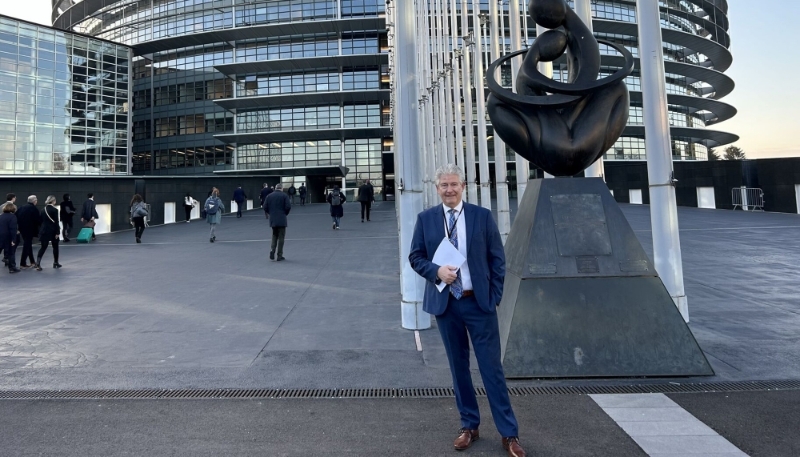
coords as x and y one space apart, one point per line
213 208
138 213
49 233
89 213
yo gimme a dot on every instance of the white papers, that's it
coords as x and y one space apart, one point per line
447 254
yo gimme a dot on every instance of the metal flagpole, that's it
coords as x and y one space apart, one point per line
430 153
458 94
584 10
424 101
469 132
440 103
663 208
497 34
480 100
407 163
447 71
521 164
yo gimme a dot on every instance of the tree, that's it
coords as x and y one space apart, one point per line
734 153
712 154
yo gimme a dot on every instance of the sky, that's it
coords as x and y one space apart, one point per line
766 70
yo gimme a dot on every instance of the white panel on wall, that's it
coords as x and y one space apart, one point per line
169 213
249 204
797 196
234 206
196 211
705 198
635 196
104 221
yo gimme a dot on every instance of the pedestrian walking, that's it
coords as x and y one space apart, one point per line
277 206
466 308
213 208
366 195
66 214
12 199
138 213
29 220
9 238
49 233
89 213
239 197
302 191
188 204
292 192
336 199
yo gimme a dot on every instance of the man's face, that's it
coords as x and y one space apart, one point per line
450 189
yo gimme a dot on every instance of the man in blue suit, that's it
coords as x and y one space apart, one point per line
239 197
465 309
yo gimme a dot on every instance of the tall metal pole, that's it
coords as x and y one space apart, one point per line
522 166
663 208
469 44
584 10
480 101
497 34
458 94
407 164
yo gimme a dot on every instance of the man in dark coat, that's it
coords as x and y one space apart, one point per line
239 197
263 197
29 220
8 235
277 207
302 192
292 192
366 195
89 213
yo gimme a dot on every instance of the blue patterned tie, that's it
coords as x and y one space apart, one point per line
456 288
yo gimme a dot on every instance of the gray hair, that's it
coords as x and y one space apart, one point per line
450 169
32 198
279 186
51 200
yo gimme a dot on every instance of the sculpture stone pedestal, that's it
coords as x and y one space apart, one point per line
581 297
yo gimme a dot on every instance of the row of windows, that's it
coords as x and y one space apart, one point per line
633 148
200 156
183 125
308 82
32 36
184 93
315 117
286 48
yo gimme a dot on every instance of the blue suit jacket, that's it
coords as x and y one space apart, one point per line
485 257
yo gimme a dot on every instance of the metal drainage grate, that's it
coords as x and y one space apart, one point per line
672 387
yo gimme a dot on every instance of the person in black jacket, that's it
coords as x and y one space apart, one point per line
49 232
239 197
277 206
263 197
8 236
89 213
29 221
66 214
302 192
336 199
12 199
366 195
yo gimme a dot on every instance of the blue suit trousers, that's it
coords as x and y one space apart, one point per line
464 320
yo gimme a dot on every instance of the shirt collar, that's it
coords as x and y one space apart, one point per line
458 207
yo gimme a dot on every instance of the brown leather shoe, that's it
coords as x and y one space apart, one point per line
465 439
511 445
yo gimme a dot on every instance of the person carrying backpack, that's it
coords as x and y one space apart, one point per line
336 199
213 208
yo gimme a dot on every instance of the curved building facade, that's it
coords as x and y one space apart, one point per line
291 88
696 55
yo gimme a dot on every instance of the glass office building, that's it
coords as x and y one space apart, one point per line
64 102
295 88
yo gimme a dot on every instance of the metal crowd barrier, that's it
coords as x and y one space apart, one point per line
748 198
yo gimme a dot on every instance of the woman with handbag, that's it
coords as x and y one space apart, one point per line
138 213
66 213
49 232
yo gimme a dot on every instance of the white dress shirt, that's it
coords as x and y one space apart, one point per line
461 230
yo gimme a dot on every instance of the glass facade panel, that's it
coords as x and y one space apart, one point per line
64 102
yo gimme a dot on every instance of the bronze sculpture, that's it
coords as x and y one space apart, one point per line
561 128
